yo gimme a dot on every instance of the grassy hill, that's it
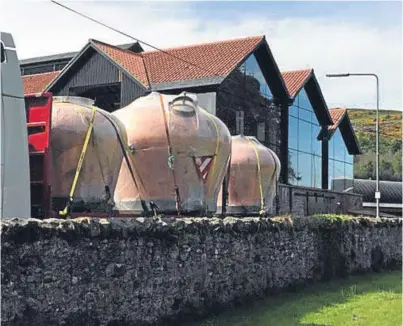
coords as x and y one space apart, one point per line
390 147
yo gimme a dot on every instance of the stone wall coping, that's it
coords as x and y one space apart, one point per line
319 190
170 229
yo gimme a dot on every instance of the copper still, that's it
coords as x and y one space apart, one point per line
179 152
96 181
252 179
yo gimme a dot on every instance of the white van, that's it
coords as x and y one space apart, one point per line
15 198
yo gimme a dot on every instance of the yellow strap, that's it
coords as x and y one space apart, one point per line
81 160
259 172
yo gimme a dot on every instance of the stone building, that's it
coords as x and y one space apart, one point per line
237 80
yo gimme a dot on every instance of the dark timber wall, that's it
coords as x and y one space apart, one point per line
94 70
130 91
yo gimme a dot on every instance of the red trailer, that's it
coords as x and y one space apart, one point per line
38 109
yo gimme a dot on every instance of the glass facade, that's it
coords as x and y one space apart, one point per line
305 151
244 102
340 161
250 68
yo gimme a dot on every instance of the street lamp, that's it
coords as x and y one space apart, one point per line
377 192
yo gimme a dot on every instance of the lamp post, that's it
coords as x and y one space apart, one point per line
377 192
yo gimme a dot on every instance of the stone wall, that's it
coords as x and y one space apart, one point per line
142 271
305 201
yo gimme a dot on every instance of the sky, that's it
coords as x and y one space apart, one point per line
330 37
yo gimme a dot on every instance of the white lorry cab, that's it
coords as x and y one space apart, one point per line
15 200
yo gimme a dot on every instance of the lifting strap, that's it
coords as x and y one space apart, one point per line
259 172
108 196
130 163
274 178
66 210
171 158
210 116
213 167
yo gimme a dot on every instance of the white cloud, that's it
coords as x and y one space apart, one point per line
42 28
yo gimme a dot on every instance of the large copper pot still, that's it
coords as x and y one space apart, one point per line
97 179
253 175
180 153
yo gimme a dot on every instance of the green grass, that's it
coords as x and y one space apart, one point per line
370 300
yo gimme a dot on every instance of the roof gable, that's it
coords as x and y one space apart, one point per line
342 121
295 80
131 62
206 64
199 64
111 53
200 61
337 116
37 83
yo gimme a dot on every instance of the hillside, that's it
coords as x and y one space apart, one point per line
390 143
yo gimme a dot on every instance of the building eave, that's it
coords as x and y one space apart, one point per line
279 89
321 106
201 82
78 56
67 67
107 57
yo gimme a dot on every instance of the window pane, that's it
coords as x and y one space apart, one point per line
296 100
304 101
316 144
305 137
293 167
331 148
339 147
293 111
293 133
317 172
349 158
338 170
252 69
349 169
305 169
305 115
331 173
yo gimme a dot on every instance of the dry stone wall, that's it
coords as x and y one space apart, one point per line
147 271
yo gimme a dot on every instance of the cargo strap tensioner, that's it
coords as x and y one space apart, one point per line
259 175
66 210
